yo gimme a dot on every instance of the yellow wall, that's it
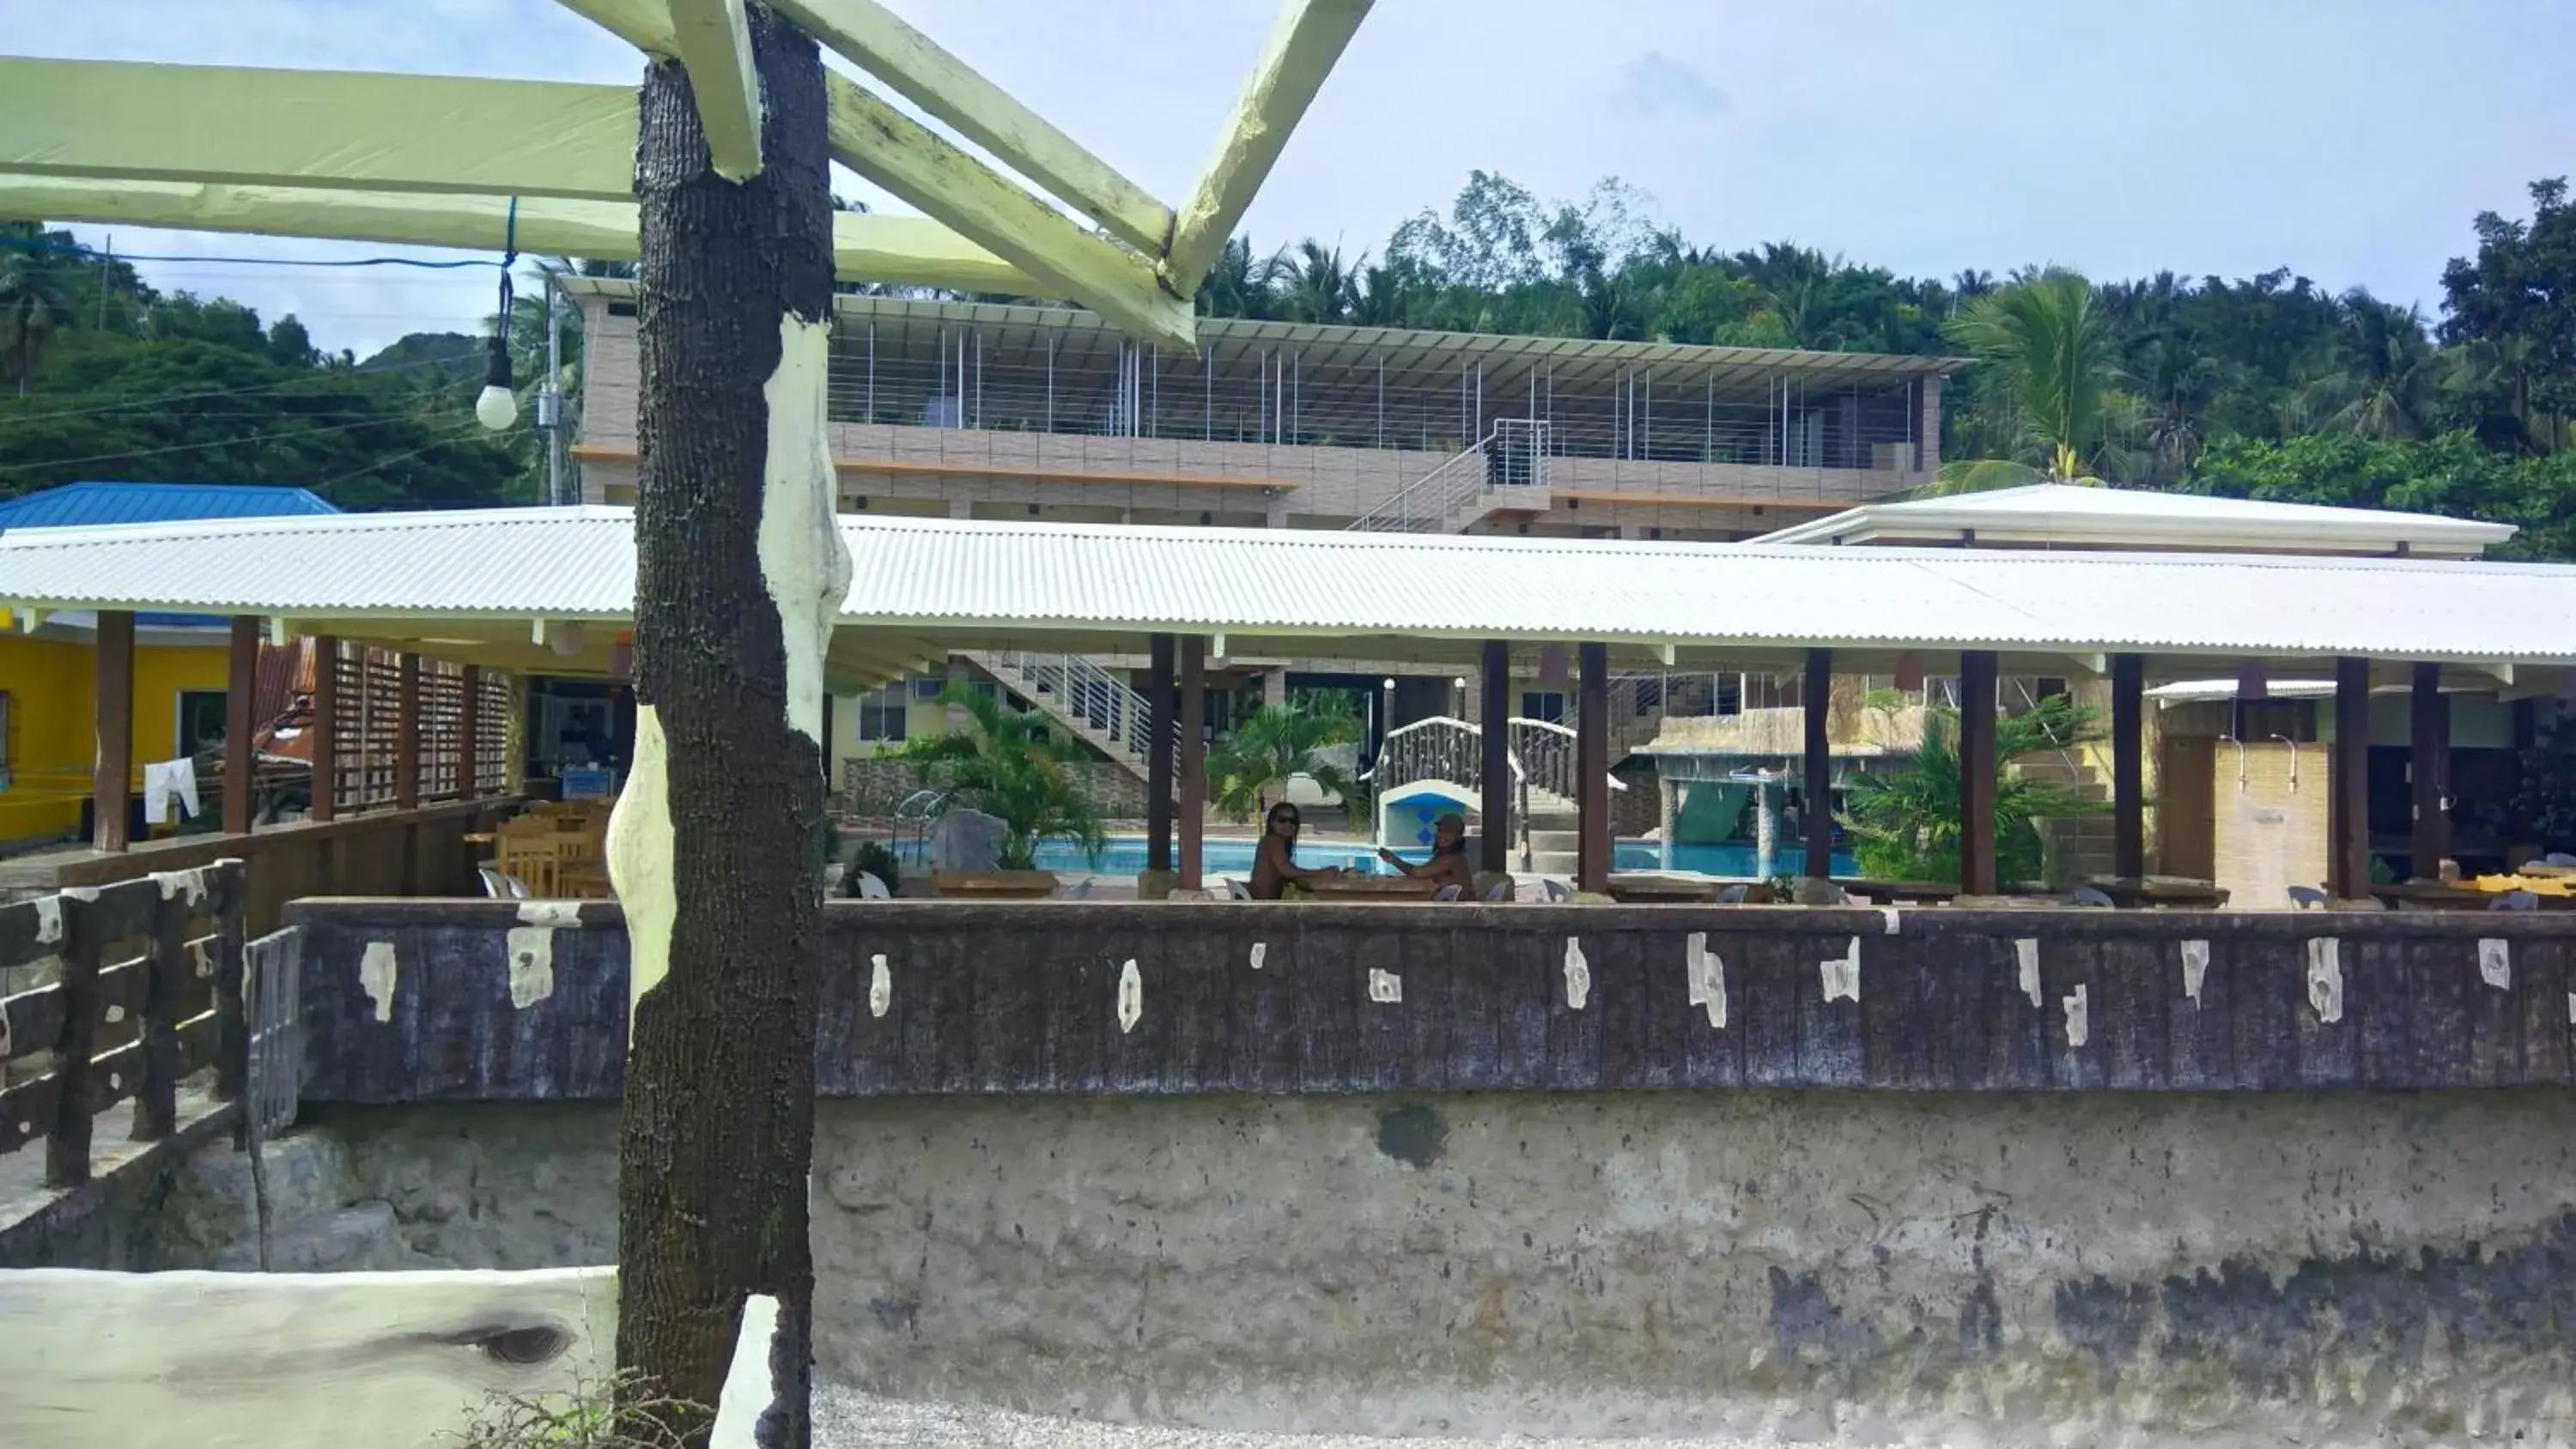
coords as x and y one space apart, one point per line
52 745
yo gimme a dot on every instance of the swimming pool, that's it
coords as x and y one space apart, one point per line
1125 855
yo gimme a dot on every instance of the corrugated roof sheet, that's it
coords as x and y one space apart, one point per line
1031 579
89 505
2090 516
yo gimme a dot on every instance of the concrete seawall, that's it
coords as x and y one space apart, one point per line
2099 1268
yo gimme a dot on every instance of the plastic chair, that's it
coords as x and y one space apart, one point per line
1449 892
1079 890
2515 901
2307 898
1236 890
2558 857
1733 895
873 889
2091 897
1502 891
1556 891
495 884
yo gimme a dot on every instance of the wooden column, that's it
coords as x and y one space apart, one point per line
1815 696
2348 811
1977 874
407 733
241 723
1193 766
111 789
469 722
326 726
1495 770
2128 766
1592 770
2429 767
1162 730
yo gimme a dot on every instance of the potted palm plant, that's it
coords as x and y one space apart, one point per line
1274 744
1009 765
1904 823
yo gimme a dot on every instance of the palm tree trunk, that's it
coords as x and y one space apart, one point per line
716 845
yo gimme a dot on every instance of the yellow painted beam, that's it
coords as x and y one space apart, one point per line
1304 43
928 171
644 24
714 39
916 67
124 120
906 251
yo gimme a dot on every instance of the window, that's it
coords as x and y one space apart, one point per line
929 686
201 721
883 712
1543 704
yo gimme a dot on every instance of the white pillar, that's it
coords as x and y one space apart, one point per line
1274 686
1766 833
1671 791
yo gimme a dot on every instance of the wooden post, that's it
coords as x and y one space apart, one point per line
166 969
1815 698
326 727
111 788
241 722
67 1145
1592 771
469 723
1977 873
2429 765
2348 812
1193 766
2128 766
407 733
1162 731
231 899
1495 773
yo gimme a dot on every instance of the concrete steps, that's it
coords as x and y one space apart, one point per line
318 1224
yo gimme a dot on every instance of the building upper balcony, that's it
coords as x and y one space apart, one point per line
1008 410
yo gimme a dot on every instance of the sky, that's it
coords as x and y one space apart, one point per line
2349 140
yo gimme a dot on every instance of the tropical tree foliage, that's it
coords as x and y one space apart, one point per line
1904 822
1009 764
1276 743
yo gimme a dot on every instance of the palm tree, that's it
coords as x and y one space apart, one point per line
2389 371
1320 288
1008 765
2055 346
1905 825
32 310
1275 743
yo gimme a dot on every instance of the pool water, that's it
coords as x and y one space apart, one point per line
1125 855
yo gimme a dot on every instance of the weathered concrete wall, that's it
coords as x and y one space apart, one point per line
2091 1268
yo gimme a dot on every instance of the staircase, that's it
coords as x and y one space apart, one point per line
2073 848
1542 761
1095 706
1505 470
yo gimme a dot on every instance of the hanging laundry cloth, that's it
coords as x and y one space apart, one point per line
167 781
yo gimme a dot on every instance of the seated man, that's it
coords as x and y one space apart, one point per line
1274 862
1448 863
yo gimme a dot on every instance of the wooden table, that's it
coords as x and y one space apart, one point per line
1919 892
1007 885
2133 892
2433 895
1649 889
1368 888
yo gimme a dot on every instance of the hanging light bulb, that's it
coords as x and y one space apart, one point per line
496 407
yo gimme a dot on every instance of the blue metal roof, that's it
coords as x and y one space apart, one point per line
84 505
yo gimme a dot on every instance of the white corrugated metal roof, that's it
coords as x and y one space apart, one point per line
2095 517
1027 581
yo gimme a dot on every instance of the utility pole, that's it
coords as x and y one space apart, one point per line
550 418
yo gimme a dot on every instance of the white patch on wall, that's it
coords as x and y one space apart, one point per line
640 866
115 1014
376 972
1260 951
1578 975
880 985
176 883
1385 987
532 964
204 959
803 562
1890 913
49 920
1131 996
2495 963
747 1392
562 915
2079 1016
2026 957
2571 1008
1841 974
2325 977
1707 979
2195 968
4 1036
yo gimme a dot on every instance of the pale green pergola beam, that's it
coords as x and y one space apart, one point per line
644 24
916 67
926 170
906 251
1305 42
714 40
255 127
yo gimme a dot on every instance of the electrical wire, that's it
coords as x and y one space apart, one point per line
254 440
77 249
313 378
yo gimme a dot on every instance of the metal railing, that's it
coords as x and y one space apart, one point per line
1448 498
273 998
1075 688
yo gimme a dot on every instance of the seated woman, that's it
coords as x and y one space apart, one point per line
1274 861
1448 863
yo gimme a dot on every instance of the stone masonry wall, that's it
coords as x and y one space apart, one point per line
1883 1267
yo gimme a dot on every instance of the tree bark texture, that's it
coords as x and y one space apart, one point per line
716 845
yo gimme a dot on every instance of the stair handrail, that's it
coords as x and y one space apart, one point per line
1086 691
1512 455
